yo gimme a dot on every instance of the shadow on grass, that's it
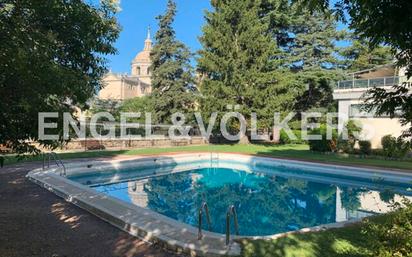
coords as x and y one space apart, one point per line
348 241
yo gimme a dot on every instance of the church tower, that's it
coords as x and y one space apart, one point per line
123 86
141 63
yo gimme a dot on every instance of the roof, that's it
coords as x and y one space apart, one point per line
143 56
125 77
376 72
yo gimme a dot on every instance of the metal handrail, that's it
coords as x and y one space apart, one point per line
371 82
56 159
216 158
231 211
206 208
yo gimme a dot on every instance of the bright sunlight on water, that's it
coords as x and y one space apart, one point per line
266 204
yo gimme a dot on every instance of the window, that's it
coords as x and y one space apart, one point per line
357 111
138 70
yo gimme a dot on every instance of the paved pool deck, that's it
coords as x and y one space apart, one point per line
35 222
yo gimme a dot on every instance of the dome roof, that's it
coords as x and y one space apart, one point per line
143 56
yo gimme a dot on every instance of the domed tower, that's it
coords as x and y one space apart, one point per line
141 63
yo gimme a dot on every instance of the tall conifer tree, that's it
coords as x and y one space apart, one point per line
171 71
312 56
361 56
240 61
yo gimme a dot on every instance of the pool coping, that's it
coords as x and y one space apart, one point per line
172 234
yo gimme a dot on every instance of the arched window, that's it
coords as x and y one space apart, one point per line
138 70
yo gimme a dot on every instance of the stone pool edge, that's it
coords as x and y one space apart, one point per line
148 228
142 223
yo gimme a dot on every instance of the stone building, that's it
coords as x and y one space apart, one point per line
119 87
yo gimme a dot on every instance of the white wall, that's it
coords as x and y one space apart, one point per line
373 128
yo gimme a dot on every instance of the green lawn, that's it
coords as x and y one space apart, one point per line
299 152
384 236
348 241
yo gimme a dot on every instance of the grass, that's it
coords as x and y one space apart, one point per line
347 241
298 152
389 232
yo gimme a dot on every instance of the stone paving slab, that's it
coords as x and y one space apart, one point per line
168 232
37 223
135 220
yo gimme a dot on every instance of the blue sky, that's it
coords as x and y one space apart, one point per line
137 15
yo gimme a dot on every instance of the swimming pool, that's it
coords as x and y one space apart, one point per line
270 196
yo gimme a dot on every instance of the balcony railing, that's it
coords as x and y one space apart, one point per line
369 83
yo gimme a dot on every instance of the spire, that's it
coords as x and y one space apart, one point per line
148 41
148 32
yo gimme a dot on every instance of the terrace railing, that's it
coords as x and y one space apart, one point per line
370 83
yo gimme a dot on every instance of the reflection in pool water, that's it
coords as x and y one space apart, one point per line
265 204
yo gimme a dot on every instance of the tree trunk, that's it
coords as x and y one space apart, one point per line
244 139
275 135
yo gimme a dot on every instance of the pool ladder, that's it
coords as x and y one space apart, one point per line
57 160
231 211
206 209
213 158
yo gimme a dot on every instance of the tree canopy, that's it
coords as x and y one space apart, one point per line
52 58
361 56
261 56
172 80
382 22
241 62
312 55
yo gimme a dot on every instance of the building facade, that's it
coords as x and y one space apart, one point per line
120 87
350 95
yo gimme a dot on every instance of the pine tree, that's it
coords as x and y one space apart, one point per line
312 56
361 56
240 61
172 79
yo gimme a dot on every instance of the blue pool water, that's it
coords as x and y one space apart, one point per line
266 204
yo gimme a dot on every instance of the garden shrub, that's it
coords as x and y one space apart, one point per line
388 145
284 138
378 152
323 145
395 147
348 145
392 236
295 125
365 147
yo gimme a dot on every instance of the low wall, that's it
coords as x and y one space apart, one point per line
93 144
